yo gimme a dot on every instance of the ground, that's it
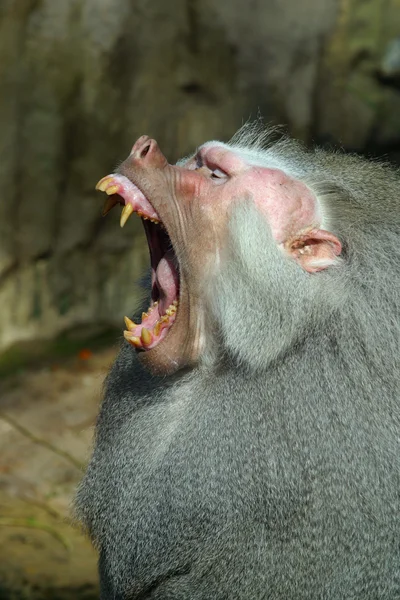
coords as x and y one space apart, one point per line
46 426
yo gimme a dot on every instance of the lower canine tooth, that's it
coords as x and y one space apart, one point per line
126 213
146 336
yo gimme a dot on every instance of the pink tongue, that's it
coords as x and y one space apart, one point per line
167 282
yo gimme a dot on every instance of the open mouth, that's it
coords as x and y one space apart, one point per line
161 314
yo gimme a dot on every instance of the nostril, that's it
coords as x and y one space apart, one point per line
145 150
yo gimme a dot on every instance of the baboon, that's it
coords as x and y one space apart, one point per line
248 442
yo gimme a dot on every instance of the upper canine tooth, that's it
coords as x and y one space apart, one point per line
126 213
112 189
108 205
129 324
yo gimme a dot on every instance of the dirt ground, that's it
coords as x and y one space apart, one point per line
46 426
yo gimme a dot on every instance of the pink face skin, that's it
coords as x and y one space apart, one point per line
192 200
287 203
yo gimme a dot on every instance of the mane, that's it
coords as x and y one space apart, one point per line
256 135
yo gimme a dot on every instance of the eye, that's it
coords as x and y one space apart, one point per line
213 173
218 174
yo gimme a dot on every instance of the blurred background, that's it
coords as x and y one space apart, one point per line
80 80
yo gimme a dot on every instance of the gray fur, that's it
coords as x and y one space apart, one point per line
272 469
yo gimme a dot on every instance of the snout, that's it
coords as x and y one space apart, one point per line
146 152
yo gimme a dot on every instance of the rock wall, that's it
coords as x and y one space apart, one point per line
81 79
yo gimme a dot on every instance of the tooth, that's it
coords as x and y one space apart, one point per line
157 328
172 308
165 319
103 183
129 324
169 312
146 336
135 341
113 189
108 205
145 218
126 213
175 302
144 315
139 213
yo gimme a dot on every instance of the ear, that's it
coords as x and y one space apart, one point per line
314 250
